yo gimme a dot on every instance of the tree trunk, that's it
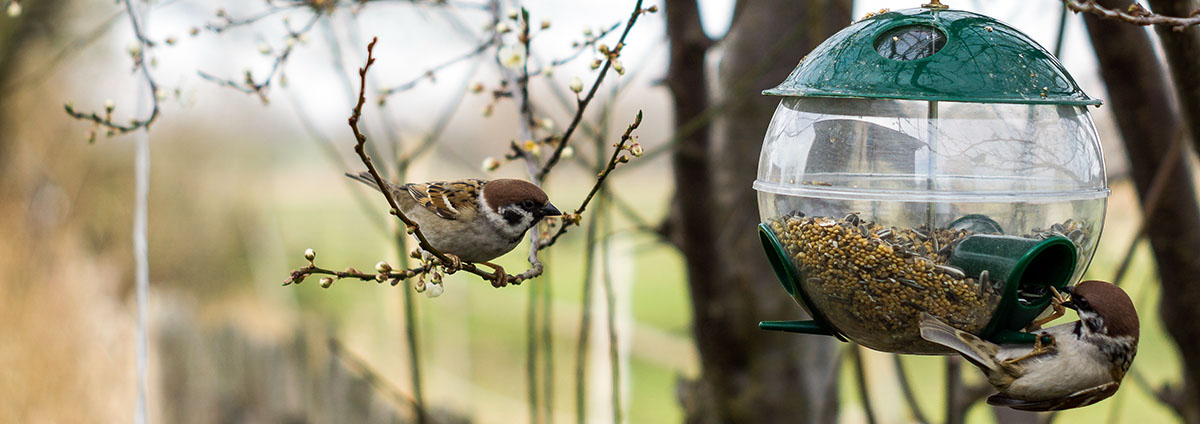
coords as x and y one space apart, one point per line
1182 49
747 375
1141 100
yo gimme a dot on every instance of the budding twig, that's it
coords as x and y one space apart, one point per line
613 160
298 275
139 62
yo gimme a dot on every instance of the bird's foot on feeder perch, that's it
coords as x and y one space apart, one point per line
1044 344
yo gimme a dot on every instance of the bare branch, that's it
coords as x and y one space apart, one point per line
906 389
1136 14
431 73
261 87
374 378
227 21
860 376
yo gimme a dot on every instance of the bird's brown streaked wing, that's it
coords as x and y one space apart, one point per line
446 199
973 349
1078 399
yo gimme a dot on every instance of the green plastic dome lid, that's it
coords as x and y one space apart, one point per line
933 54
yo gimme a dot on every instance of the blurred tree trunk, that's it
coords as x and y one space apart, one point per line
38 20
1182 49
1141 100
747 375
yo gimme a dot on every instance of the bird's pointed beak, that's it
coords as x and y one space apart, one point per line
1069 304
549 210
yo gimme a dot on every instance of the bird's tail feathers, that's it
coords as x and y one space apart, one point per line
365 178
974 349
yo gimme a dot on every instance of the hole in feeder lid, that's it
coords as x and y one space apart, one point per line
910 42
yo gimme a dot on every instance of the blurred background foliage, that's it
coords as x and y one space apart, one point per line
240 187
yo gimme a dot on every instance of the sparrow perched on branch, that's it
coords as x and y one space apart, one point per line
1071 365
473 220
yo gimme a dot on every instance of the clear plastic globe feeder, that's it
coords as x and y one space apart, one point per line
928 160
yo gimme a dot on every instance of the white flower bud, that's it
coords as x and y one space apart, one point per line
435 290
636 150
326 282
109 105
617 66
512 58
310 254
512 13
264 48
14 9
502 28
490 164
576 85
382 267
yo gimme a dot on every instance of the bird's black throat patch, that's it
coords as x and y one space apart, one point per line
512 217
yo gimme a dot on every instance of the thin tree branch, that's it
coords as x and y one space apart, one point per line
604 173
430 73
1151 201
374 378
261 87
1062 32
298 275
585 323
531 355
228 21
910 398
547 349
860 376
139 60
1136 14
610 302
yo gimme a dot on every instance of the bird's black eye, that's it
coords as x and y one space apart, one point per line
1082 303
528 204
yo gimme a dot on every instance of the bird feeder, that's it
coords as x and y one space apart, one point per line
928 160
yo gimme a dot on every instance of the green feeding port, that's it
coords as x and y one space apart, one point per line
931 54
1024 269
